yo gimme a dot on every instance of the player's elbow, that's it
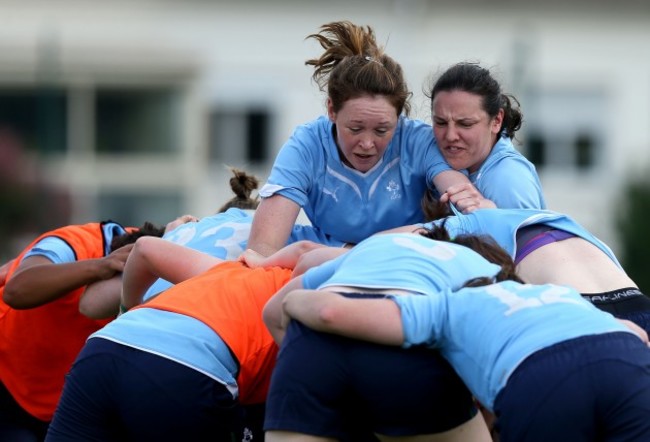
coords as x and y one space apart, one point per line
328 318
12 296
89 310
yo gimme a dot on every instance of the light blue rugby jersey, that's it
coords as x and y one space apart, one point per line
401 261
508 179
503 224
347 204
225 235
486 332
179 338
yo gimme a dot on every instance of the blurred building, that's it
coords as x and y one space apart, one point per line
133 109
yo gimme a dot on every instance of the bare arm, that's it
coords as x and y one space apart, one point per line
272 313
448 178
457 188
466 198
375 320
316 257
154 258
38 280
286 257
183 219
272 224
101 299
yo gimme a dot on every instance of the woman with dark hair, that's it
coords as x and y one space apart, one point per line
474 123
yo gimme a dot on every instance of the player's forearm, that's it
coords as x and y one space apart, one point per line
43 283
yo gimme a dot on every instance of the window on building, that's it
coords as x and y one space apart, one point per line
535 147
134 208
126 120
564 127
239 136
37 116
584 150
137 120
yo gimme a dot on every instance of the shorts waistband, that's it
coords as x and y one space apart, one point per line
613 296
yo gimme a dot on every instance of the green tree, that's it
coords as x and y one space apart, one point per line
632 223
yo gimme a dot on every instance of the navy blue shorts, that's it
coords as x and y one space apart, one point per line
16 424
325 385
118 393
586 389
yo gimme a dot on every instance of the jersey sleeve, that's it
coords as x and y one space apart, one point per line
422 318
292 172
436 162
55 249
420 149
316 276
425 144
511 184
452 224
